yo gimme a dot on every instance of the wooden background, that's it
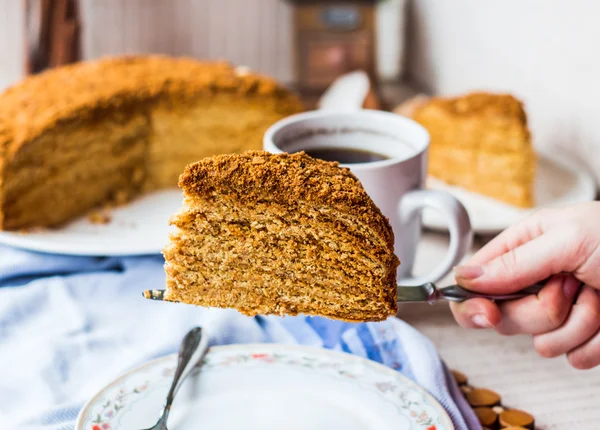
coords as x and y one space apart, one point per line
11 41
255 33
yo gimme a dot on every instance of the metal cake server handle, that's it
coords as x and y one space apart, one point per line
429 293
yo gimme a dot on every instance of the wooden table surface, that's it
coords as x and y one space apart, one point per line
559 396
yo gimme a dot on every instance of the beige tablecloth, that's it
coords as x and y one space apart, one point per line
559 396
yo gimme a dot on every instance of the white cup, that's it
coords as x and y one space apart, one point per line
396 184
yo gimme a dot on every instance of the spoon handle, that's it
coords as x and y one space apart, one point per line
192 349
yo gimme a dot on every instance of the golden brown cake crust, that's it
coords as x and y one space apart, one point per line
34 105
341 266
479 104
307 179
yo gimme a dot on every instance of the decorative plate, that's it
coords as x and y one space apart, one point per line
559 180
267 387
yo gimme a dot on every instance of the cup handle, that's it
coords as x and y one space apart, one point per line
459 226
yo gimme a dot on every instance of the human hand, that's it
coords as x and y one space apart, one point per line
562 244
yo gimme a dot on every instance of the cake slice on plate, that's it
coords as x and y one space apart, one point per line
479 141
280 234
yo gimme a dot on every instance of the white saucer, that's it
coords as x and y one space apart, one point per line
268 387
559 181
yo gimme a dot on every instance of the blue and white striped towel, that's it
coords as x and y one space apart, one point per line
69 325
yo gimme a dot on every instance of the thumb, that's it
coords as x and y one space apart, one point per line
551 253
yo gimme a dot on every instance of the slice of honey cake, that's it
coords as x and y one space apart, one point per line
481 141
281 234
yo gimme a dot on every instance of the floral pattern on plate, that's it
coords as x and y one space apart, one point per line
104 411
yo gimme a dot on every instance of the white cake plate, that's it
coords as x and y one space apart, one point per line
559 180
268 387
138 228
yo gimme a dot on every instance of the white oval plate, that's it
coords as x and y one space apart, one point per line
138 228
268 387
559 180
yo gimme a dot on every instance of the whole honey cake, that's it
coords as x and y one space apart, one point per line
280 234
480 141
87 134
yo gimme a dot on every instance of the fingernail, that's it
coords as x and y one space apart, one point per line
468 272
481 321
570 286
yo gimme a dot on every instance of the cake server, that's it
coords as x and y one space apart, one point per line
426 293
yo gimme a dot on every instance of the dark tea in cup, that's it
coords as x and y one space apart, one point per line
345 155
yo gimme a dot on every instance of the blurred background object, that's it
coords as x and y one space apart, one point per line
348 92
51 33
257 33
330 39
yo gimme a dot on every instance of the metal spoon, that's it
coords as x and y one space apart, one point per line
192 350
